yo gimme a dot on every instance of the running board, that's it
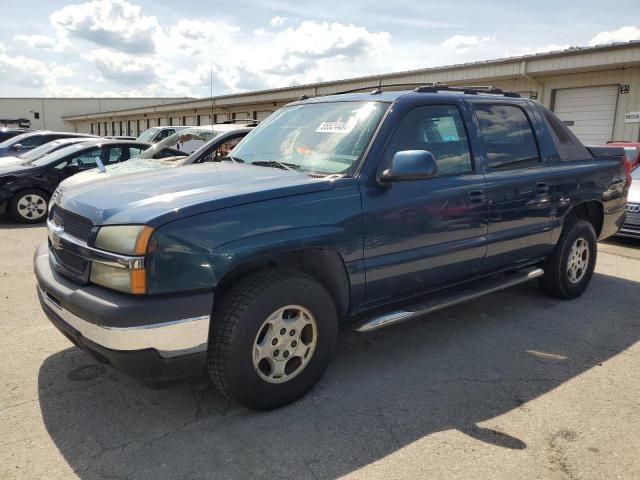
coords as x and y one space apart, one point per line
446 298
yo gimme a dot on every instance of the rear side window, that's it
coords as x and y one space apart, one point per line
567 144
508 136
439 130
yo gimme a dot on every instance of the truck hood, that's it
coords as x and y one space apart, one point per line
156 198
119 169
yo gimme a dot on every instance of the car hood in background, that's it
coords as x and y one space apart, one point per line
154 198
13 168
10 159
125 168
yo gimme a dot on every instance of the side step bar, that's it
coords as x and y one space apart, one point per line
446 298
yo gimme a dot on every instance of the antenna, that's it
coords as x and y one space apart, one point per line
211 95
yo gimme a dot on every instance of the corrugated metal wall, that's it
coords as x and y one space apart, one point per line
508 77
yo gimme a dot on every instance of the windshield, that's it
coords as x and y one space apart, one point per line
324 138
636 173
13 140
57 155
147 135
42 150
195 133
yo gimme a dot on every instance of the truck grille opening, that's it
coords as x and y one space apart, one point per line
73 263
73 224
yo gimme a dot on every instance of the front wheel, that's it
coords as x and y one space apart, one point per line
272 337
29 206
568 271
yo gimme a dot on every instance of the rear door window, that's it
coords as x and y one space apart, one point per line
508 136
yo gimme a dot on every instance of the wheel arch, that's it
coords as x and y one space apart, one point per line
591 211
324 264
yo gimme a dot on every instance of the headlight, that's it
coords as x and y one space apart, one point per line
6 180
126 239
121 279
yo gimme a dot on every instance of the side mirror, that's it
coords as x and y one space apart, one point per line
410 165
17 146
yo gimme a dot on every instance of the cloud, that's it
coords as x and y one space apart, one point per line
624 34
322 40
44 42
115 24
32 73
462 43
124 68
277 21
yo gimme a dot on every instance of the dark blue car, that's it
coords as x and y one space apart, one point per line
357 210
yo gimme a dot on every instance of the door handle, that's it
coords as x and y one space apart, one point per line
476 197
542 188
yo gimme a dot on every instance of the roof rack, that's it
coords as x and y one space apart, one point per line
435 88
377 89
471 90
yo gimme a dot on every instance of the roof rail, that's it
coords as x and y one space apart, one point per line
376 89
471 90
434 88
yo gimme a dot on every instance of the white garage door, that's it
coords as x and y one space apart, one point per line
262 115
588 111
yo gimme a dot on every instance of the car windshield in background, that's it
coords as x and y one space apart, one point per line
635 174
321 138
57 155
147 135
13 140
203 134
41 150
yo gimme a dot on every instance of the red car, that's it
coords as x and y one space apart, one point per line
631 149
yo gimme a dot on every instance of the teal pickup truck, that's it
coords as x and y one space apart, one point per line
359 211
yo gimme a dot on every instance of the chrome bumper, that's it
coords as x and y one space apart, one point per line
169 339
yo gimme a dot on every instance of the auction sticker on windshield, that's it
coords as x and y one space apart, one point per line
336 127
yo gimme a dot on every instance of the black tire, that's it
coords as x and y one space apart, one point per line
556 280
237 320
39 199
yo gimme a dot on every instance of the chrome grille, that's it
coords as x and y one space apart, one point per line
73 224
633 215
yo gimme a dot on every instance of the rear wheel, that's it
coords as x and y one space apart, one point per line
568 271
272 337
29 206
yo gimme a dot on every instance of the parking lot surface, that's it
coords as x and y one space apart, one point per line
513 385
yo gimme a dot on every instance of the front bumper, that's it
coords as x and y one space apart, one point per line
154 339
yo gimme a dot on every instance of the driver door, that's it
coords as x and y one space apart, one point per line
425 234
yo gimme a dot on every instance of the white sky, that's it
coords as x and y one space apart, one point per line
145 48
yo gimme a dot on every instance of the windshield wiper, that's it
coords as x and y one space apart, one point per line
272 163
233 159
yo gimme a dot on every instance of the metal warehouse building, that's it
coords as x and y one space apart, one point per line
49 113
595 90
